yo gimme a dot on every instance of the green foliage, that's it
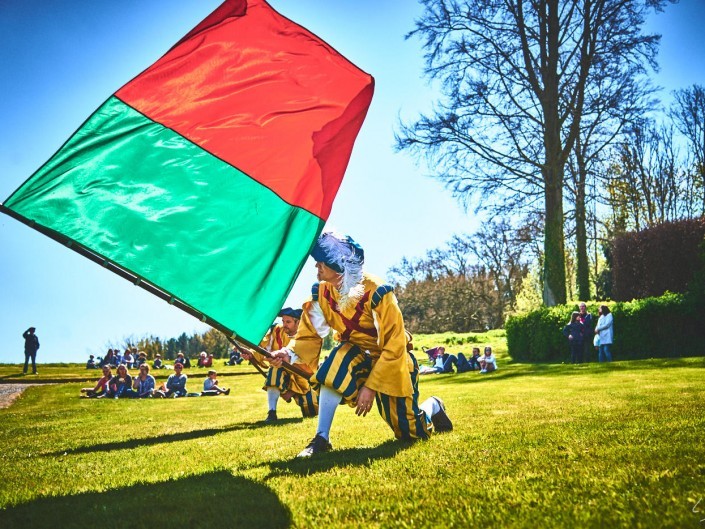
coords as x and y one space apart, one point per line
665 257
625 438
668 326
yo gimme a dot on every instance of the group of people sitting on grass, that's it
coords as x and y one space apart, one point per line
442 362
132 358
143 385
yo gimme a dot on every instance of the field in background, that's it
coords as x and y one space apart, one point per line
550 445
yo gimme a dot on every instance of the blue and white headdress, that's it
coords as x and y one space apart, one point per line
342 254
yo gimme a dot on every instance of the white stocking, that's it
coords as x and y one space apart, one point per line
272 398
328 402
430 406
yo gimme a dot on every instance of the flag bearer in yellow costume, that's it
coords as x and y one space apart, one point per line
372 363
279 382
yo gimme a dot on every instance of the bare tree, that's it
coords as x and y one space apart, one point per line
469 283
648 183
688 114
604 119
515 76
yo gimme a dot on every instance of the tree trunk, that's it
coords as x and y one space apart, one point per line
582 271
554 292
554 257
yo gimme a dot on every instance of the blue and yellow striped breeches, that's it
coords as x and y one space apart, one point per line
346 370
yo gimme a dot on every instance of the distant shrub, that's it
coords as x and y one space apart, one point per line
672 325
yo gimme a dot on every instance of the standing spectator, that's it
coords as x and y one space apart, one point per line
488 362
31 346
606 333
175 384
575 332
142 385
120 383
588 324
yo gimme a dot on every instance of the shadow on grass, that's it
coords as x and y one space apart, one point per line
514 370
18 375
168 438
337 458
213 500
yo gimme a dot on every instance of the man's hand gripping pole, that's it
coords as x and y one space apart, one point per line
286 366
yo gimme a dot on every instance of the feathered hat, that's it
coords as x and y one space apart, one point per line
341 254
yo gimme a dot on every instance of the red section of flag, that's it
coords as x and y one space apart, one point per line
263 94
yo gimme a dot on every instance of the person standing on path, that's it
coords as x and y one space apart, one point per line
31 346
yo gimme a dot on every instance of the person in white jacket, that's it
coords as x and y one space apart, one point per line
488 362
605 329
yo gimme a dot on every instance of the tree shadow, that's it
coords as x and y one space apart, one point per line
167 438
212 500
512 370
337 458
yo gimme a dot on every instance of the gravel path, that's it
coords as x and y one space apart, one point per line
9 392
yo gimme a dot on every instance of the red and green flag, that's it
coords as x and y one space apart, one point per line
210 175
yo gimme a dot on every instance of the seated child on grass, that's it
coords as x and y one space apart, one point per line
488 362
210 386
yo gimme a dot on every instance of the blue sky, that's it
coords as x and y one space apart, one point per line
61 59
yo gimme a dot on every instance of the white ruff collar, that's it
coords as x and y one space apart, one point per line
352 296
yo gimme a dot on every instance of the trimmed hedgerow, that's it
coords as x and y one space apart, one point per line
669 326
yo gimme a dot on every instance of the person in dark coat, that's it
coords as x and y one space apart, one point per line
31 346
588 328
574 332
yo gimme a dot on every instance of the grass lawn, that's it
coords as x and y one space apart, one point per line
540 446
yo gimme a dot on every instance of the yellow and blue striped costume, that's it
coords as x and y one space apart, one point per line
307 399
372 352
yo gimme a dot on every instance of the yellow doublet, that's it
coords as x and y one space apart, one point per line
372 321
274 340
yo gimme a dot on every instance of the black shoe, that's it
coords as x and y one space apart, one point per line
441 422
271 416
317 445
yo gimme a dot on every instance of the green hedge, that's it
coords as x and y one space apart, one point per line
669 326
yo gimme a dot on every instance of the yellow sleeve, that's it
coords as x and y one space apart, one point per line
265 343
307 343
259 359
390 373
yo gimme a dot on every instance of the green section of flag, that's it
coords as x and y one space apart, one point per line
154 203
